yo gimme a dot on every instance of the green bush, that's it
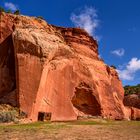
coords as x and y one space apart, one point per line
40 17
2 9
8 11
17 12
113 66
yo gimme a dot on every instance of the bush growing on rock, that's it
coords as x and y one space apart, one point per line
2 9
113 66
9 11
17 12
40 17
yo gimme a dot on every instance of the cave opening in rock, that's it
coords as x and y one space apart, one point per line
7 73
41 116
44 116
85 101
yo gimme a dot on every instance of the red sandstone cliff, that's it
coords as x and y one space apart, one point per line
44 68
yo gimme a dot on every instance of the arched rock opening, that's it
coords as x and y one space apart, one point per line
85 101
7 73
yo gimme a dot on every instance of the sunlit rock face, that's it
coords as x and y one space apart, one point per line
55 71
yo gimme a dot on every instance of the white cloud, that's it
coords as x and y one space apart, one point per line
128 73
87 19
120 52
100 56
10 6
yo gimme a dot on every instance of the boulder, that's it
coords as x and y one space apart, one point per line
132 100
131 113
135 113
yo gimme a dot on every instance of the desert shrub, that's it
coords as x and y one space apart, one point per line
40 17
8 116
8 11
113 66
8 113
2 9
17 12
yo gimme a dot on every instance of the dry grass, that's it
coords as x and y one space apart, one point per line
79 130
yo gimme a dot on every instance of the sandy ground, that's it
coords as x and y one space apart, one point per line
72 131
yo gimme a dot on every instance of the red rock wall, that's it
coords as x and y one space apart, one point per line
7 72
8 57
135 113
58 71
54 94
29 72
80 41
6 24
132 113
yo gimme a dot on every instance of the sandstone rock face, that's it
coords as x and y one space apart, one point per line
7 71
132 100
56 71
132 113
6 24
135 113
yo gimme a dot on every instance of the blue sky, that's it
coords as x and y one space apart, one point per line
115 23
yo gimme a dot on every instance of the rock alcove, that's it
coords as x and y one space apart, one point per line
7 72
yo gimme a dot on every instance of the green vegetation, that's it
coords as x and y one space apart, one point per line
113 66
89 122
2 9
8 11
132 89
8 114
40 17
34 126
17 12
80 130
58 125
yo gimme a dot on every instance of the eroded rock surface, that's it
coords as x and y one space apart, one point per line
7 71
58 72
132 100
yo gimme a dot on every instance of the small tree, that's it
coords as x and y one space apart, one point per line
8 11
40 17
17 12
138 85
2 9
113 66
